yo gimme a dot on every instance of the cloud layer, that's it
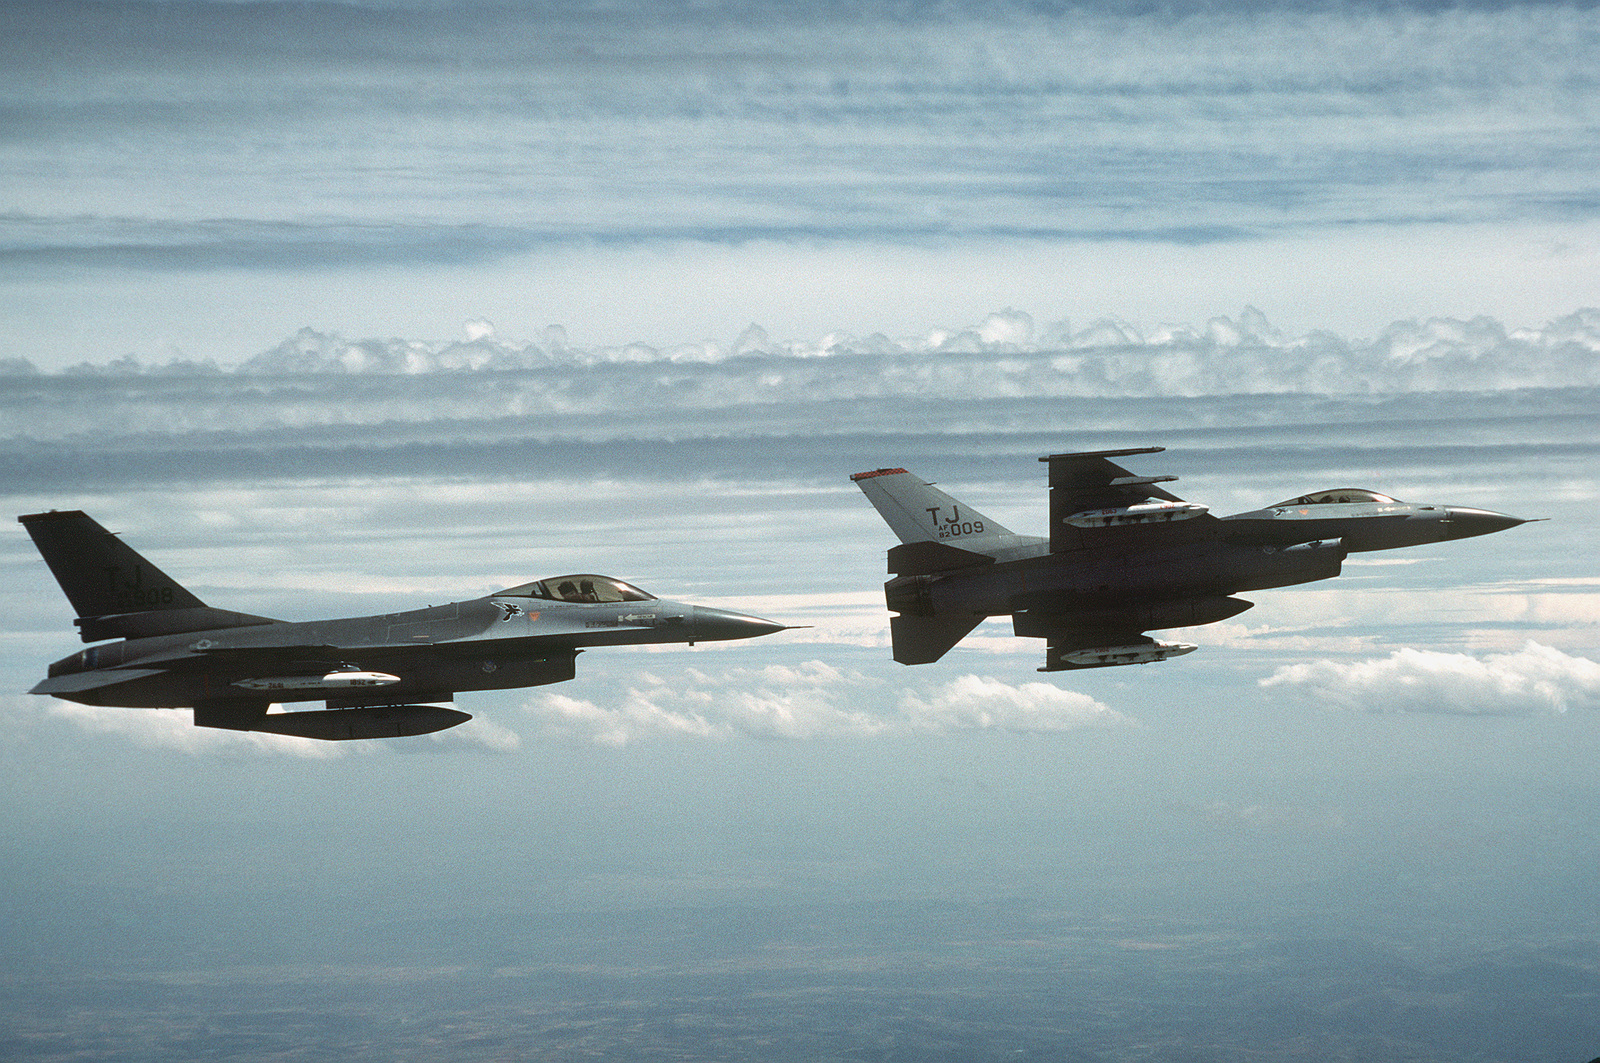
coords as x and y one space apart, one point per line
813 700
1534 680
808 701
1005 355
485 386
637 170
499 127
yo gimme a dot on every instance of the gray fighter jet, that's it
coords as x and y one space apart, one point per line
1123 557
373 671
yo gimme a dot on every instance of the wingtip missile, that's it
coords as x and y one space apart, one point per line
1109 656
343 680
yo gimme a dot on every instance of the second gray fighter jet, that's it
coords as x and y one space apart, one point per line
1123 557
379 675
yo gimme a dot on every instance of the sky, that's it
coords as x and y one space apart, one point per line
199 179
335 309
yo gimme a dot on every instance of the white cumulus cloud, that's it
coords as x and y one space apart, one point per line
807 701
981 703
810 701
1535 679
479 733
324 380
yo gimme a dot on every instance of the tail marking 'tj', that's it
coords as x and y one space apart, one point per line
118 593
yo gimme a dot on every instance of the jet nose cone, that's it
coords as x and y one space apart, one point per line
1463 523
711 625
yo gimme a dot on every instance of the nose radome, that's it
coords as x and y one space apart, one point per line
711 625
1464 523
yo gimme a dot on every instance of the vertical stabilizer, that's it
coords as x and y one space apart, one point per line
117 593
101 574
919 512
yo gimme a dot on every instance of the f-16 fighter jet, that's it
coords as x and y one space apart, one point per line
378 674
1123 557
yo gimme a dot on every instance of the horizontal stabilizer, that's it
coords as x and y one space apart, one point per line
77 682
924 639
924 558
164 622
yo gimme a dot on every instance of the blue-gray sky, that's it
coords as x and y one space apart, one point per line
202 178
333 309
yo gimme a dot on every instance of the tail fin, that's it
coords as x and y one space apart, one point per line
117 593
919 512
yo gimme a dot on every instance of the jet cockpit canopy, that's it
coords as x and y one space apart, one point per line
1339 495
586 587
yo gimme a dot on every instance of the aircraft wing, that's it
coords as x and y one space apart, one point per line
1095 502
